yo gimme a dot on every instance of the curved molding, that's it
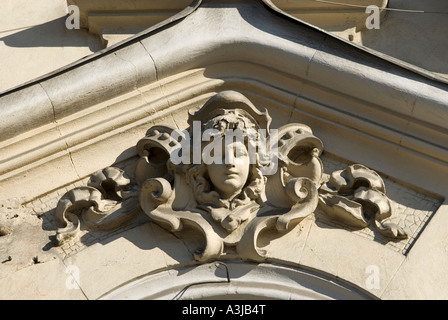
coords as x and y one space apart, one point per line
236 280
69 143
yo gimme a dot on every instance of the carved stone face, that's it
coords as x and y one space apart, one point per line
230 178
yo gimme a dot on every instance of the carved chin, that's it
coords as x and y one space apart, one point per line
230 185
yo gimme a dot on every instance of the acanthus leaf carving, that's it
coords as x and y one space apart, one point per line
274 181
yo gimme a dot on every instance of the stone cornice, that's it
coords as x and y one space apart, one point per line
113 20
377 56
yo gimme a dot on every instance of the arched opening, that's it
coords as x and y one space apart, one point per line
235 281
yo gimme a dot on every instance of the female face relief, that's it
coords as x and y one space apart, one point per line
230 176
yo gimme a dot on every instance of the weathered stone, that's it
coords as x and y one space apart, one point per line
99 207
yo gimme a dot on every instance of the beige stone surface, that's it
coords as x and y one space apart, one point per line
416 38
331 249
131 254
65 127
421 275
29 267
34 40
34 37
26 242
44 281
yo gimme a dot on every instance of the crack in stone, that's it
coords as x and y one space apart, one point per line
60 133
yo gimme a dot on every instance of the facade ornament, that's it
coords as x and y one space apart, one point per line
105 203
273 181
356 197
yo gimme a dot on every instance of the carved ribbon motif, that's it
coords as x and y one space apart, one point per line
229 205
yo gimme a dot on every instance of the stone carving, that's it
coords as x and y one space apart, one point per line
229 203
356 197
105 203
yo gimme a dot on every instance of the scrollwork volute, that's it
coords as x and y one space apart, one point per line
230 190
105 203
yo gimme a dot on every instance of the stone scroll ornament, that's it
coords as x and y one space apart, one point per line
230 204
105 203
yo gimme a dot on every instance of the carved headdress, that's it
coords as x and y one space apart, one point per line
234 104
